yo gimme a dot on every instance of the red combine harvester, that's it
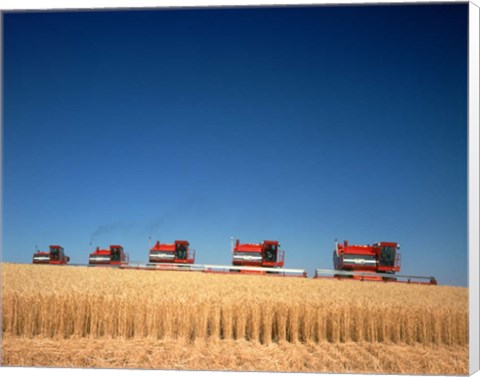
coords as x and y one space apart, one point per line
265 254
114 256
177 256
178 252
257 258
377 262
381 257
56 255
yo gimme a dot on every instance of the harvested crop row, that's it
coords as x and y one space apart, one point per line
148 353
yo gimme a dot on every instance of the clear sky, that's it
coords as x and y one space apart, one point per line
301 125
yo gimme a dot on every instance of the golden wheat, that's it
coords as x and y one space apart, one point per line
148 353
77 302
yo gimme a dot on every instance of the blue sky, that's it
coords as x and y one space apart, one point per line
296 124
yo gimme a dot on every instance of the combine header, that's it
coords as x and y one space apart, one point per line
56 255
114 256
257 258
377 262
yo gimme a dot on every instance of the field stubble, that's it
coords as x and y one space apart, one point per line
43 304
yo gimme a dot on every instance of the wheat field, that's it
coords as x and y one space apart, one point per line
229 322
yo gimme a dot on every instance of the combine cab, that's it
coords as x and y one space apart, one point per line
114 256
178 252
56 255
377 262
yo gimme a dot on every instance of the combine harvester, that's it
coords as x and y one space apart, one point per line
178 252
377 262
257 258
177 256
114 256
56 255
